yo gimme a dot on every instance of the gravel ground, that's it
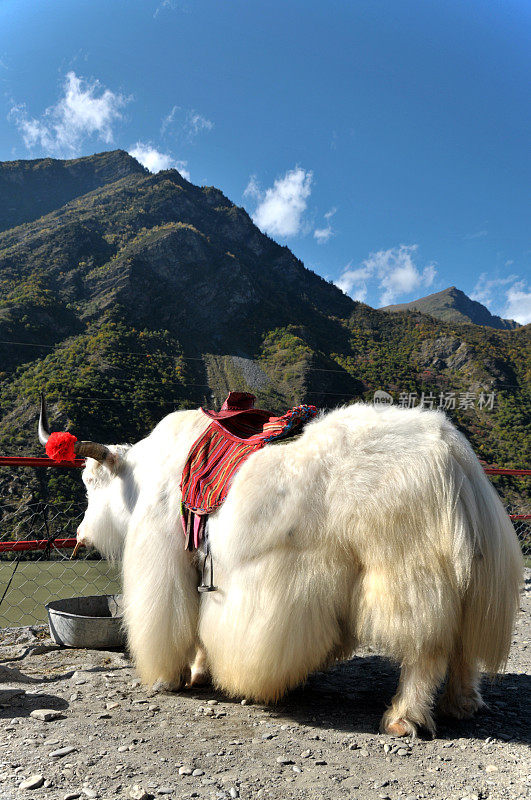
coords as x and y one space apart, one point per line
112 738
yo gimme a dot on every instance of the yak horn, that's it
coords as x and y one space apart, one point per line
81 449
75 550
44 427
92 450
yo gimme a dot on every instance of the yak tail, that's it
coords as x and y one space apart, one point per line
496 571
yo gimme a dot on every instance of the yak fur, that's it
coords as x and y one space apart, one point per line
376 526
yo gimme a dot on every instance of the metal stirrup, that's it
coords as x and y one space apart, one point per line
207 587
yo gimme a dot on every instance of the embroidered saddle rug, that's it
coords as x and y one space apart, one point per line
235 432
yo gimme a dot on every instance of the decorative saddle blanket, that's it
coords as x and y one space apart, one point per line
220 451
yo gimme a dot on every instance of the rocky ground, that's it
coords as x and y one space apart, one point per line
105 736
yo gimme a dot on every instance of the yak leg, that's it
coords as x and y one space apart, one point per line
199 670
412 704
461 697
161 606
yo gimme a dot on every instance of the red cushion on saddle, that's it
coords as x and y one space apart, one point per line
219 452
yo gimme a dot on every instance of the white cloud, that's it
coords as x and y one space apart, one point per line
252 189
167 5
323 234
169 119
398 273
281 208
155 161
518 305
188 124
485 286
354 282
196 123
394 270
476 235
84 110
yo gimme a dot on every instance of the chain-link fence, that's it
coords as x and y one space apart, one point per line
36 540
522 526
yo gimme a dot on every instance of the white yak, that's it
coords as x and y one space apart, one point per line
376 526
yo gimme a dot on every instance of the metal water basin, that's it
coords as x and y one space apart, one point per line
92 622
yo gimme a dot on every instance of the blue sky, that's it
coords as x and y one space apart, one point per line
386 142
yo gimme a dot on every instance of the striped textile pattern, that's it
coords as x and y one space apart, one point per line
219 452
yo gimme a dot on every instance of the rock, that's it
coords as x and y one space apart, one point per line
33 782
90 793
284 761
402 751
185 770
491 768
164 790
62 751
197 773
72 796
46 714
110 706
306 754
234 793
137 792
364 753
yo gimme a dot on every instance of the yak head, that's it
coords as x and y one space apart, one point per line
105 474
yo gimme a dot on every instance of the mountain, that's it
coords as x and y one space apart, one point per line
144 293
453 305
30 189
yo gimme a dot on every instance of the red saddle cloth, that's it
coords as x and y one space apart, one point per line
234 433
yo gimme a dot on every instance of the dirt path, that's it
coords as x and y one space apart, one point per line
321 742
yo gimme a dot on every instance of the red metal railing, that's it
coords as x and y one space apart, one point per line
42 544
35 544
28 461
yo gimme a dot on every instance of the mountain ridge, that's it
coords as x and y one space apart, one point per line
54 182
453 305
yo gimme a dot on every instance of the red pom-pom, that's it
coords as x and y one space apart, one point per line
60 446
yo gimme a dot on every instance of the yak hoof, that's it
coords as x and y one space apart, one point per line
399 727
175 685
199 677
462 707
